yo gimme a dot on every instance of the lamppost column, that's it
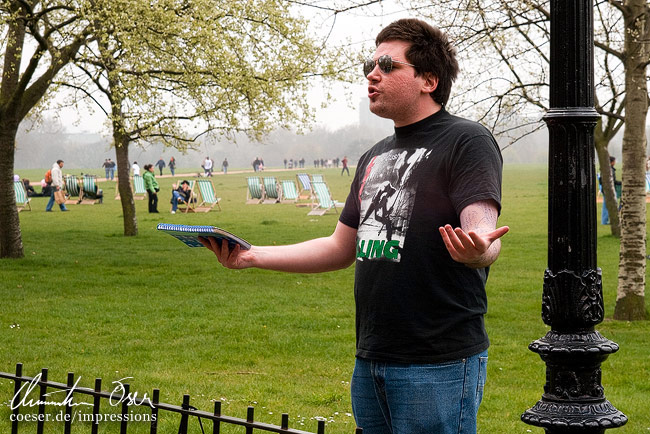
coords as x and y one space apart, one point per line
572 303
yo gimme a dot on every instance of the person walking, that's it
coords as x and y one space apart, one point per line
422 254
207 166
57 185
161 165
224 166
171 165
107 168
151 185
344 161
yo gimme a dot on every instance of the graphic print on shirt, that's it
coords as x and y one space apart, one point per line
387 197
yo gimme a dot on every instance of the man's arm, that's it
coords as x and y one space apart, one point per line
314 256
476 243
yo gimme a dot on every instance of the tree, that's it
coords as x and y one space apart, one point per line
630 299
511 39
39 39
206 67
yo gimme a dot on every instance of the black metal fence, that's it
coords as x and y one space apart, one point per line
122 398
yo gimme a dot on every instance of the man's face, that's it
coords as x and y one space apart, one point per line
61 164
395 95
185 187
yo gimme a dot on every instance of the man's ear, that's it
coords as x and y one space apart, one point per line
430 83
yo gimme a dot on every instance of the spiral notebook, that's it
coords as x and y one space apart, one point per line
190 235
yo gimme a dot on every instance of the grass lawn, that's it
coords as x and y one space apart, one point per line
87 300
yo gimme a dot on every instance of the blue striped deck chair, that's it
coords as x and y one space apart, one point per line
304 185
272 191
289 191
139 192
255 192
22 200
72 189
206 196
324 201
90 193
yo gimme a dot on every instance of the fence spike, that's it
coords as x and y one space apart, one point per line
321 427
154 412
96 402
67 427
285 421
41 407
216 425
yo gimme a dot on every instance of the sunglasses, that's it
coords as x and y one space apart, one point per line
385 63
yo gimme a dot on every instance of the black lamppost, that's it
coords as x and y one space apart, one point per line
572 301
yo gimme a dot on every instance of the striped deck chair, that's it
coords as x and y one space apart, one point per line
91 194
324 201
206 196
318 178
272 190
22 200
72 190
304 185
289 191
139 192
255 192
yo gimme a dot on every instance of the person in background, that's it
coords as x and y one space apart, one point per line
151 185
345 166
422 257
172 165
604 215
57 185
107 168
207 166
135 168
224 166
161 165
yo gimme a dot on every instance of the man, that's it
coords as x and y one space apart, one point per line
207 166
57 185
107 168
224 166
161 165
181 195
136 168
345 165
422 252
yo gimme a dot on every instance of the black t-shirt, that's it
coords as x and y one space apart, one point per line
414 304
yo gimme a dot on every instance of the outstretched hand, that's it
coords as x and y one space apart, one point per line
235 258
471 248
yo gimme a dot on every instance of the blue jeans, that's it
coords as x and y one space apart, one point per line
442 398
51 203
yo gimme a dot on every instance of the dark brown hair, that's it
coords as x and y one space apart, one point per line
430 51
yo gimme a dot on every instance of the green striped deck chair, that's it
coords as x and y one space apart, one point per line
304 185
324 201
139 192
72 189
289 191
90 193
317 178
22 200
255 192
272 190
207 196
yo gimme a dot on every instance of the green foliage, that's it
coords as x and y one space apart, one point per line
87 300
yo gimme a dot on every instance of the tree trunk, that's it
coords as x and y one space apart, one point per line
630 299
609 191
124 184
11 244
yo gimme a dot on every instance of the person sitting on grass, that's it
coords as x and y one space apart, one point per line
181 195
